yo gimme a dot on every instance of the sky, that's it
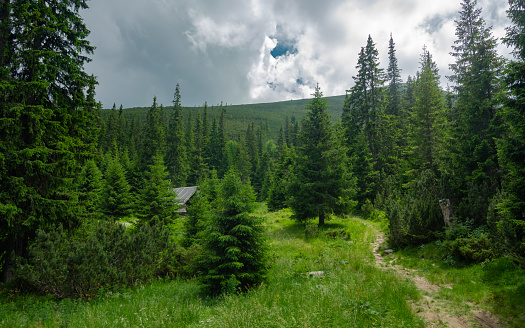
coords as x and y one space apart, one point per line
252 51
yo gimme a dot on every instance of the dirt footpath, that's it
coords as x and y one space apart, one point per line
434 311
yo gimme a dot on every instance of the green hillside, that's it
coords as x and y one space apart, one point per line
239 116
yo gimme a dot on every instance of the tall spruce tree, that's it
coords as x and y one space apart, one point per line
321 184
154 141
176 156
362 111
43 121
198 163
393 76
476 78
427 119
512 144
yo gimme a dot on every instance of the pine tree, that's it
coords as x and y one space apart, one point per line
235 250
156 201
43 48
176 156
321 184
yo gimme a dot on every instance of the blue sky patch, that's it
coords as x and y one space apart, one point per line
284 48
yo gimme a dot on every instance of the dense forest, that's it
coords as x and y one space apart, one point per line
86 195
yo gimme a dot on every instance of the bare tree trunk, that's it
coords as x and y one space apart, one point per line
322 216
448 213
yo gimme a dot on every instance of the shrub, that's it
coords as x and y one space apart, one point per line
415 217
104 254
468 244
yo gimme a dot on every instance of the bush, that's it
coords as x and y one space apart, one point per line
415 217
103 254
472 249
468 244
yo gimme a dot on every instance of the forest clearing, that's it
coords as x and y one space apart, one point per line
357 288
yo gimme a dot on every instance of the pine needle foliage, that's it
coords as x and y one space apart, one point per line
235 258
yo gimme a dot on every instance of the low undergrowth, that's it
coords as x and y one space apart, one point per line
346 290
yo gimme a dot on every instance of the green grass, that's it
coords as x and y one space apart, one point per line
498 285
351 293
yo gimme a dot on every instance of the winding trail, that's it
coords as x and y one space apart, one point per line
435 311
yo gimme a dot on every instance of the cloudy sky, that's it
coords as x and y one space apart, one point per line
248 51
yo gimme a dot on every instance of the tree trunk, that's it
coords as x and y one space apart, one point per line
448 213
322 216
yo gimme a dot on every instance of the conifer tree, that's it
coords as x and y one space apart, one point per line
476 82
198 163
191 150
321 184
90 188
394 80
427 117
235 250
362 111
222 142
251 150
176 156
215 149
156 200
205 129
116 198
154 141
511 147
197 220
278 181
43 48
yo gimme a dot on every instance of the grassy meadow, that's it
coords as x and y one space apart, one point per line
351 291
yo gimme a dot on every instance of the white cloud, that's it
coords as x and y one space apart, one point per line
221 50
207 31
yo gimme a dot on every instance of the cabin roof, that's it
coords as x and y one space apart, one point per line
184 194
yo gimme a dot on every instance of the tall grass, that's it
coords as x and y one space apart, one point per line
351 291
